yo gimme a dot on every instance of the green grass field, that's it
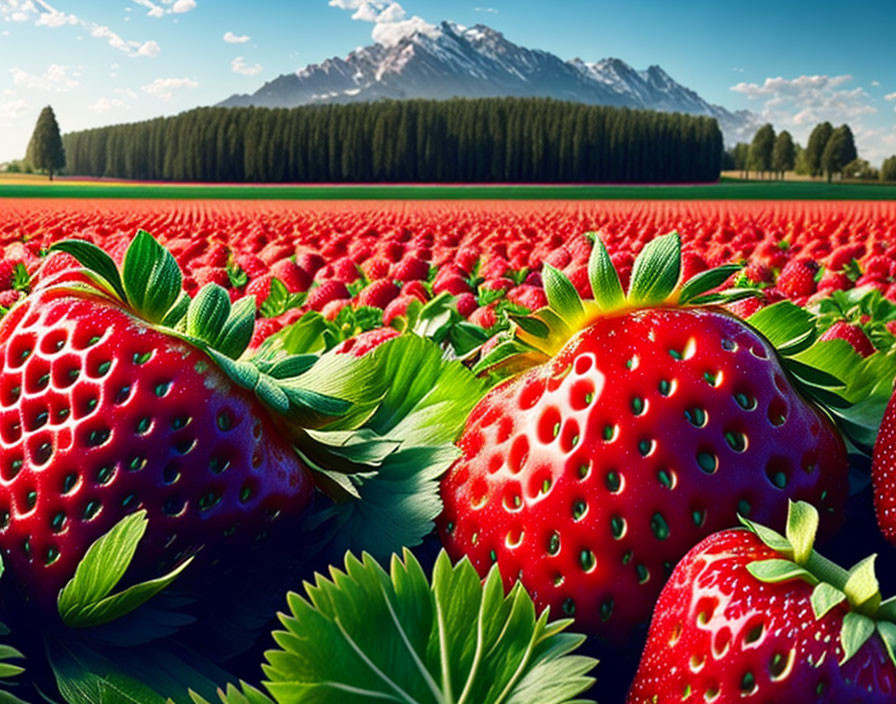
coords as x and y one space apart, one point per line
726 189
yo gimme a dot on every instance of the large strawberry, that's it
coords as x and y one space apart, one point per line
751 615
883 473
647 424
117 394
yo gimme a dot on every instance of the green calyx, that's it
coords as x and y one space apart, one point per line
857 588
655 281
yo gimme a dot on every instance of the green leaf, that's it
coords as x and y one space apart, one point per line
776 570
771 538
276 302
706 281
177 312
857 629
782 322
887 632
656 271
235 336
812 375
208 313
562 296
244 694
152 278
862 588
394 637
825 597
532 325
85 600
92 257
802 525
605 286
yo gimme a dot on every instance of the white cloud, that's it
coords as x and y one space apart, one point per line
798 104
390 21
807 100
232 38
890 96
17 10
876 84
104 105
55 78
56 19
490 10
166 7
150 49
239 65
181 6
13 111
164 88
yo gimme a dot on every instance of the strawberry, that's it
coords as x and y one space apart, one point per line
853 334
455 285
211 275
260 287
376 268
883 473
104 412
645 426
410 268
361 344
397 308
797 278
9 298
325 293
417 289
378 294
752 615
334 308
292 275
7 273
466 304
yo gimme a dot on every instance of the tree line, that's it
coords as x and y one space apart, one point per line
829 152
458 140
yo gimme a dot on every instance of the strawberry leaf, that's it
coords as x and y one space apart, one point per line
777 570
233 339
244 694
857 629
825 597
96 260
152 278
562 296
706 281
393 636
656 271
605 285
782 322
207 314
862 588
802 525
85 600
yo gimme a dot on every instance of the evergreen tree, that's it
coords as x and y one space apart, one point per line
783 154
838 152
818 140
45 151
761 148
888 169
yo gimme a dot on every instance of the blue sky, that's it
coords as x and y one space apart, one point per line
108 61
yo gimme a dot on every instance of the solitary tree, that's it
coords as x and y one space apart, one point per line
818 140
760 158
888 169
45 151
783 154
839 151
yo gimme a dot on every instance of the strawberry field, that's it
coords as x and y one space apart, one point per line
433 421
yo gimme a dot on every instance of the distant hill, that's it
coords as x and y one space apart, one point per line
455 61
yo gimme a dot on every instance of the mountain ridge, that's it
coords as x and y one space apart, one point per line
450 60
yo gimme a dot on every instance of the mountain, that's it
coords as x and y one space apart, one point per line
451 60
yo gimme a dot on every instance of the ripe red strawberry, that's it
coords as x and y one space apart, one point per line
397 308
749 615
310 261
104 413
646 426
797 278
532 297
7 273
260 287
378 294
334 308
9 298
455 285
211 275
883 473
376 268
292 275
410 268
365 342
466 304
417 289
853 334
328 291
